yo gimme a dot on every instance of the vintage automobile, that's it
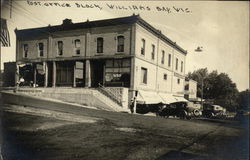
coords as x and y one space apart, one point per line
183 110
242 115
146 108
213 111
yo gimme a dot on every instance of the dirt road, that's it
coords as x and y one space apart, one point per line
117 136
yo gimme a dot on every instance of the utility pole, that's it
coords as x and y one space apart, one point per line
10 8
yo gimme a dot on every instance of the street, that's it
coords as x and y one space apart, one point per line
36 133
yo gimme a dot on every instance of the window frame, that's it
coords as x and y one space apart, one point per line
117 44
153 52
182 66
25 54
162 57
178 80
77 48
144 77
143 47
58 50
39 51
169 60
99 39
165 76
176 64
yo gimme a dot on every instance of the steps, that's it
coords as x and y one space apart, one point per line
83 96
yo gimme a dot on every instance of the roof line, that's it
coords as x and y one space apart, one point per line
159 33
137 19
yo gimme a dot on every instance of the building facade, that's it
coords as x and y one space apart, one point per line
122 52
191 90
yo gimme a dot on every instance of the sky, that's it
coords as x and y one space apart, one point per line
220 27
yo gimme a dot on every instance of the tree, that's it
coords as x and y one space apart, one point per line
244 100
218 87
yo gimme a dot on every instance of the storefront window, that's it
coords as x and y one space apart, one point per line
79 70
117 73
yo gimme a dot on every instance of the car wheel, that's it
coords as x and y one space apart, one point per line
196 112
209 115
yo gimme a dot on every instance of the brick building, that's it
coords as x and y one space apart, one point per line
124 52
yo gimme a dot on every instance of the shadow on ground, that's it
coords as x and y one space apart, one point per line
173 155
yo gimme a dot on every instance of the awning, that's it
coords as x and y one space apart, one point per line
180 99
168 98
148 97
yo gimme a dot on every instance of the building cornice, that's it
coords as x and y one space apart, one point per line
49 30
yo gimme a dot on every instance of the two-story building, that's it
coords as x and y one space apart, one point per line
121 52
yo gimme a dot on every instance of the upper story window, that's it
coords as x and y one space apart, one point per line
99 45
144 74
176 64
120 44
77 43
60 48
143 47
165 76
178 81
40 49
181 66
25 50
169 60
153 52
163 57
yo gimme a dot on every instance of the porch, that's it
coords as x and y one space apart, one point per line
74 73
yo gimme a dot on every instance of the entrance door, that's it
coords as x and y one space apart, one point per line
64 73
97 72
50 74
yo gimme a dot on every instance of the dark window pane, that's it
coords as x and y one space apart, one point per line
143 47
25 50
60 47
165 76
163 57
77 46
144 75
40 49
99 45
120 44
176 64
153 52
169 60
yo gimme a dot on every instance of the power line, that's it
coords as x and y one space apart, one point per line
27 11
31 17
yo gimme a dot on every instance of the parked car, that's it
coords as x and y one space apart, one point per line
242 115
213 111
146 108
183 110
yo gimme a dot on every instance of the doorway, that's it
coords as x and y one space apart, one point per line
97 67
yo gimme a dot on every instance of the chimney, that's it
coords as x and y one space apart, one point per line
67 21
